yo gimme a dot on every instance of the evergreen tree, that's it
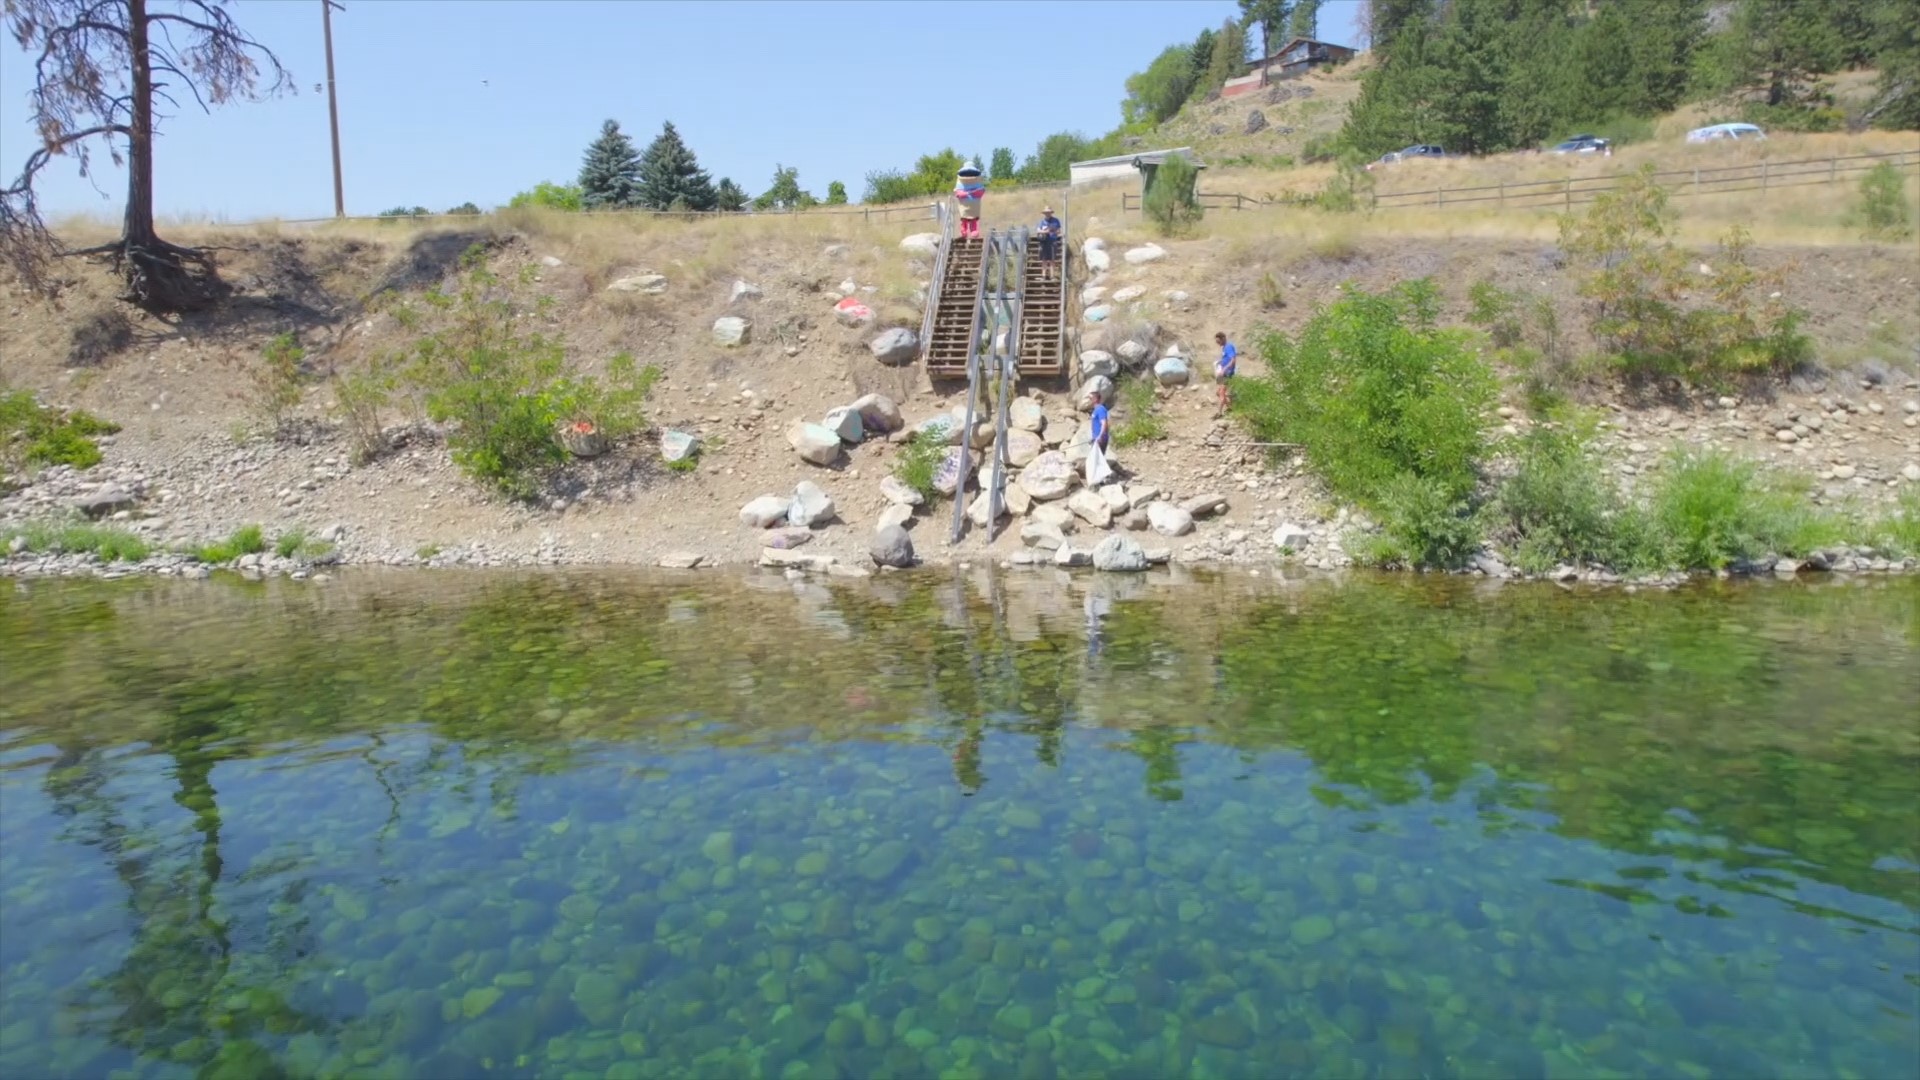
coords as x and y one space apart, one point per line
1470 59
1202 53
1002 167
1389 19
610 172
836 193
1303 23
1897 52
1228 60
669 171
1271 16
729 196
1778 45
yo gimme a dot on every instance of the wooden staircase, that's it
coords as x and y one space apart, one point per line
1043 315
955 310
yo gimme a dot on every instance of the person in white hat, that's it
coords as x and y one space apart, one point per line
1051 233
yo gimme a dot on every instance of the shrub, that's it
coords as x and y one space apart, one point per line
1559 506
550 196
1140 419
297 542
1711 509
108 544
274 381
1170 202
246 540
507 392
362 397
918 461
1272 296
1350 187
1371 389
405 212
1524 328
1637 282
34 433
1423 523
97 335
1881 212
1899 531
465 209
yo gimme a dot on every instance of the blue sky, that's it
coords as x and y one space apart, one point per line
444 101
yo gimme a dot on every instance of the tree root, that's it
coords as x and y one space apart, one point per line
164 278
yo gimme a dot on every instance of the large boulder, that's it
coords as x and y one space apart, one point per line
1093 295
894 514
891 546
878 413
1018 501
643 282
1092 392
816 445
895 347
1098 362
765 512
732 331
1120 555
1116 498
942 428
1043 535
1090 508
1256 122
1291 537
1172 371
1097 313
978 509
743 290
1055 515
678 445
851 312
1145 253
1023 447
925 244
1168 519
951 474
1094 251
1133 354
896 491
1025 413
845 421
811 507
1059 429
1050 476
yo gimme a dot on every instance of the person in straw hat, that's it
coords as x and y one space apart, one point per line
1052 236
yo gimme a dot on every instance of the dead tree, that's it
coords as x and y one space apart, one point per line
99 66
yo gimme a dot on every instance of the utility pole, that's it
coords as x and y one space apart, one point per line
333 108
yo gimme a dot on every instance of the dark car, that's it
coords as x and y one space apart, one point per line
1418 150
1584 144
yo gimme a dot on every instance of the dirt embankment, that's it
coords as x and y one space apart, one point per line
189 455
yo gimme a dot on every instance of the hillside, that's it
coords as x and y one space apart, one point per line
1292 113
192 458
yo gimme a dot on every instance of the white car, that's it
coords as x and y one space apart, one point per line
1716 132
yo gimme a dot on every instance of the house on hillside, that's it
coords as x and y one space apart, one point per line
1295 58
1145 163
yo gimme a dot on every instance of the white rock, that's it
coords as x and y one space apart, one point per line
1177 296
942 428
1786 435
894 514
1097 258
550 262
1092 392
1092 295
1116 497
1145 253
1912 473
816 445
978 508
895 347
1132 353
1172 371
1843 472
1025 414
1040 534
1018 501
1202 505
896 491
1023 446
1051 476
1097 313
678 445
644 282
845 422
810 507
743 290
764 512
947 476
732 331
1090 508
1055 515
1118 554
1910 406
924 244
851 312
1094 243
681 560
1069 556
1290 537
1129 294
1168 519
878 413
1096 362
1059 429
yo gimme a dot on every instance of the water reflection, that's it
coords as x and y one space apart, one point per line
593 824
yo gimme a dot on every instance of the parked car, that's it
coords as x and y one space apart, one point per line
1716 132
1418 150
1585 144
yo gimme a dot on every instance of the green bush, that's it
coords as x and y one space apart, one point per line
1899 531
1139 420
35 433
298 542
549 195
919 459
1711 509
1881 212
274 381
1350 187
108 544
1560 506
1422 523
508 392
1171 202
1371 389
246 540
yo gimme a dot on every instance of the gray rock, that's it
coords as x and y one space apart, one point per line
942 428
732 331
896 491
1145 253
16 545
1092 392
1055 515
1202 505
793 560
105 502
1178 296
332 534
1069 556
891 546
845 422
1168 519
981 506
924 244
678 445
1040 534
765 511
1025 414
1911 473
811 507
681 560
1290 537
743 290
789 537
1172 371
1098 363
815 444
1120 555
879 413
639 283
1489 564
895 347
1116 498
1256 122
1050 476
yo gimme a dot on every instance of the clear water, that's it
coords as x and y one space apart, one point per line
609 826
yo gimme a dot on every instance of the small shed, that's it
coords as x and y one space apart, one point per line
1144 163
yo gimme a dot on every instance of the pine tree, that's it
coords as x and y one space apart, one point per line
1271 16
1303 23
1002 168
729 196
610 173
1228 60
1389 19
669 171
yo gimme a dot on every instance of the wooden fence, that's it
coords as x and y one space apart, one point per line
1566 193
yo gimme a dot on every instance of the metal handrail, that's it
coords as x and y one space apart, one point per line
1003 263
938 284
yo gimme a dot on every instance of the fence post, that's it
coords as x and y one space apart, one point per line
1696 181
1763 175
1833 169
1439 196
1503 194
1569 193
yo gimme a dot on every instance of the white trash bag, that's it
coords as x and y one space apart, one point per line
1098 471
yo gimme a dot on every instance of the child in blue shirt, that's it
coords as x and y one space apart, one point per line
1223 370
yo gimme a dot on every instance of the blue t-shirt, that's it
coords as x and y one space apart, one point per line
1051 225
1099 422
1229 358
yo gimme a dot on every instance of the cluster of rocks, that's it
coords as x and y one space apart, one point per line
867 417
